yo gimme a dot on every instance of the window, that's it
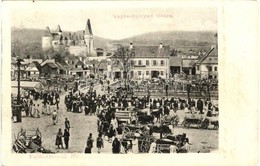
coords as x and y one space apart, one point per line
132 62
162 62
162 73
139 73
147 63
154 63
210 68
147 73
139 62
216 68
198 68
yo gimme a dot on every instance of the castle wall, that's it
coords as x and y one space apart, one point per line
46 43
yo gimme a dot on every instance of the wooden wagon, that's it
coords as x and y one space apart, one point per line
29 141
144 142
192 120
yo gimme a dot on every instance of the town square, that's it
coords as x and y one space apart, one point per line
156 91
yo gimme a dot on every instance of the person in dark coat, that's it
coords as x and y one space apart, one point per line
100 143
90 142
66 138
116 146
200 106
59 139
67 124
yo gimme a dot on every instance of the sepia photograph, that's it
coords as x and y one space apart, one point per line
129 83
114 81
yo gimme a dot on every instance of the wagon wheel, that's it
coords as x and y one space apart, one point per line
38 133
127 132
145 132
145 145
199 124
186 124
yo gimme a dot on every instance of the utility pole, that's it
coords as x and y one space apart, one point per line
18 106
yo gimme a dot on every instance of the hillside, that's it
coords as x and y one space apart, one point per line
180 38
29 36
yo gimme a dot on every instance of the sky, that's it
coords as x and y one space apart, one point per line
115 22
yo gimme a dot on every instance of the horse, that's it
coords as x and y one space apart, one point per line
157 114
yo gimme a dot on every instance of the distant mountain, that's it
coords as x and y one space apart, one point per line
179 38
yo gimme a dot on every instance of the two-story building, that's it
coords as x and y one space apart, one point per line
150 62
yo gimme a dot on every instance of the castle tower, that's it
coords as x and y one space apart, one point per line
88 37
59 30
47 40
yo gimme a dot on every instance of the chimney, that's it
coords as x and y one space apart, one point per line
131 46
161 46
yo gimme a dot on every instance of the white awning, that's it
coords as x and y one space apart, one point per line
28 85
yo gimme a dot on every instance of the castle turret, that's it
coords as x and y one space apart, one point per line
88 37
47 39
59 30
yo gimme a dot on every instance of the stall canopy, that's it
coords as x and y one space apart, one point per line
26 85
14 91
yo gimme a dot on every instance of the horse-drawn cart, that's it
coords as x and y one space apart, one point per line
193 120
200 122
29 141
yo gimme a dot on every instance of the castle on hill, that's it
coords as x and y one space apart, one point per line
78 43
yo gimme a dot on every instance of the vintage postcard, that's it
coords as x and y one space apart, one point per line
157 82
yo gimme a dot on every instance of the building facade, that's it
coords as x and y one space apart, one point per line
147 62
207 66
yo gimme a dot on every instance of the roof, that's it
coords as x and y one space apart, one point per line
151 51
34 66
31 68
51 65
191 49
60 66
47 32
188 62
175 61
48 61
210 58
65 65
88 29
27 85
29 61
80 63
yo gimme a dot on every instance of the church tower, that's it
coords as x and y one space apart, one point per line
47 40
88 37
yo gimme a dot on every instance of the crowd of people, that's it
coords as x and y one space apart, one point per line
105 106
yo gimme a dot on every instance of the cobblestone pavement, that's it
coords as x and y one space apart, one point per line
82 125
